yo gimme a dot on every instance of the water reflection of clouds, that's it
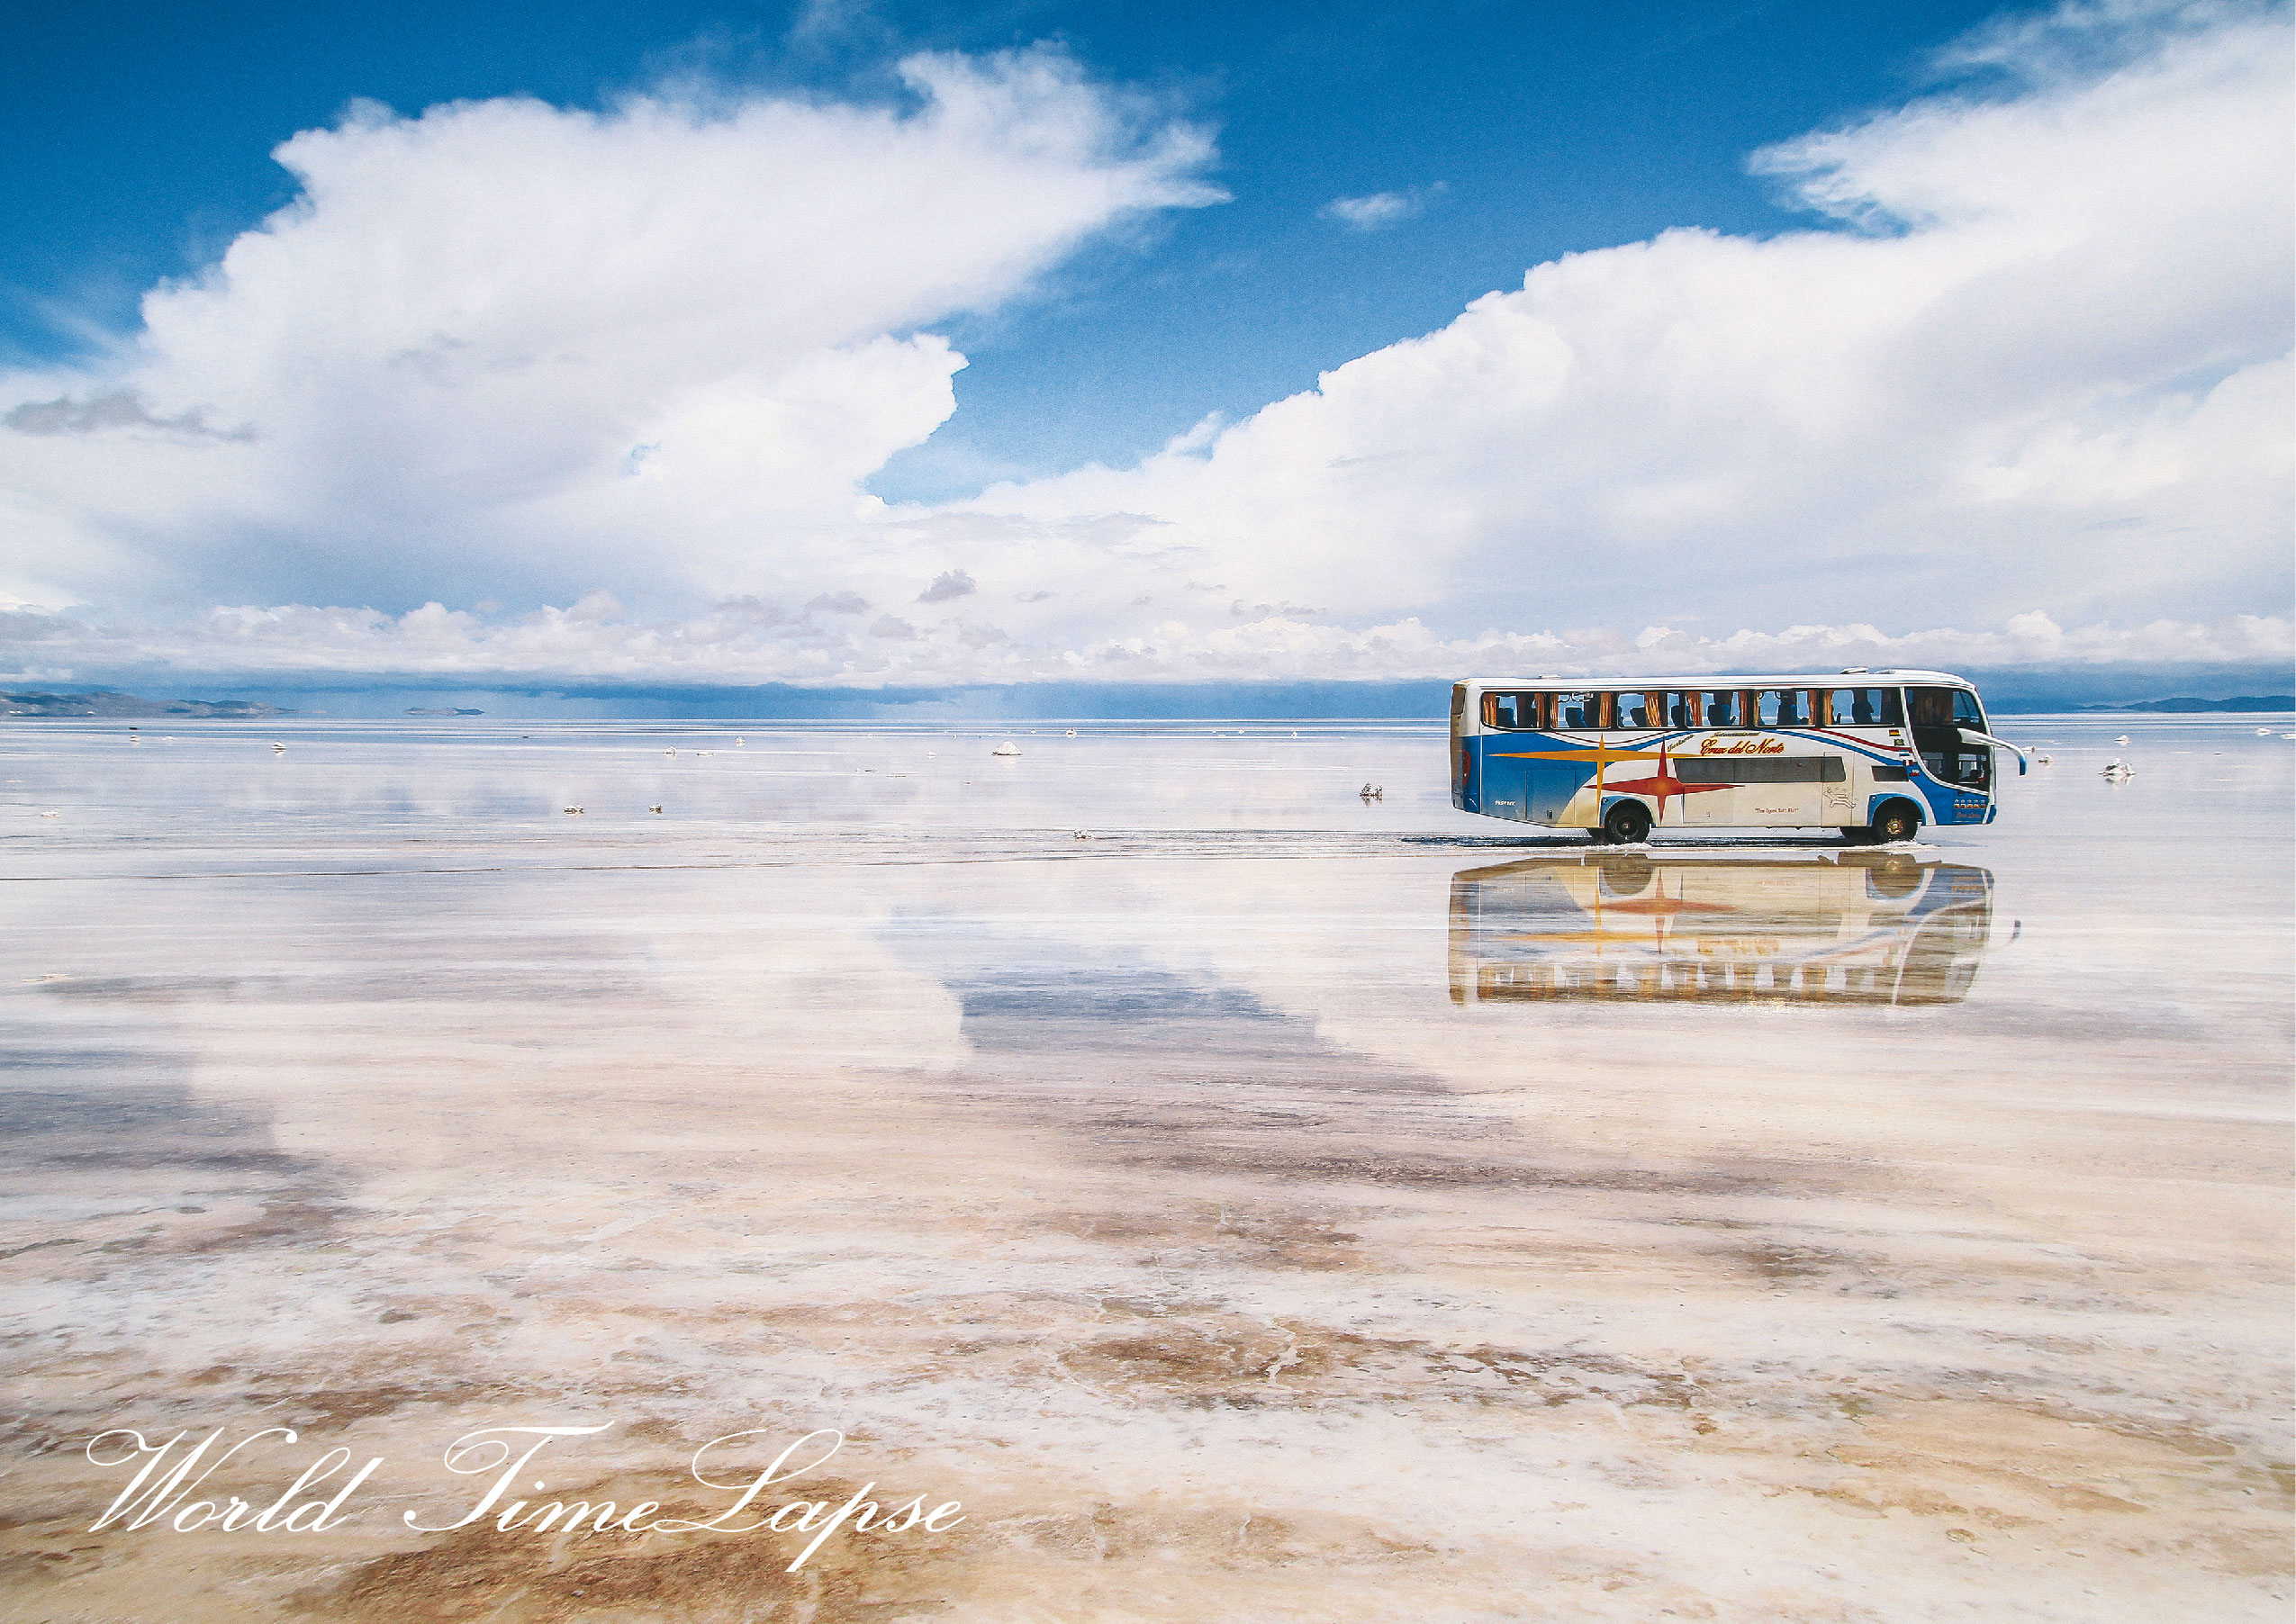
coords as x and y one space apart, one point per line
1140 1064
1854 927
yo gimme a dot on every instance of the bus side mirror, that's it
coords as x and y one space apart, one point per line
1970 736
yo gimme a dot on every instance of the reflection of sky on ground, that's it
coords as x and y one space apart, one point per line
1155 1192
418 779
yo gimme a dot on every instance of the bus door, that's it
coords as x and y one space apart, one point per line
1461 750
1938 717
1784 785
1708 771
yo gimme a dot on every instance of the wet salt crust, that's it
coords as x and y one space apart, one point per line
1271 1208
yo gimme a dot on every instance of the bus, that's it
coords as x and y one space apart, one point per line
1829 927
1877 755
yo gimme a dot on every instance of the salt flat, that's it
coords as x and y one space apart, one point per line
1273 1206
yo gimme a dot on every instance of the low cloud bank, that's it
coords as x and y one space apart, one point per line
751 641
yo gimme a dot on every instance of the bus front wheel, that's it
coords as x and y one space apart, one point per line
1894 822
1627 824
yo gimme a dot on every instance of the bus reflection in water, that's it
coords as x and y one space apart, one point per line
1852 927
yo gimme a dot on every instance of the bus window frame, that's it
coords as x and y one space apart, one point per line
1554 699
1539 703
1542 708
1804 707
1835 719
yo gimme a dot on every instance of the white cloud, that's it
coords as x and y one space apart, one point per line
2038 380
503 346
1379 209
2055 372
118 409
948 584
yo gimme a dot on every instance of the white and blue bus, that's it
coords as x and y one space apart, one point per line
1876 754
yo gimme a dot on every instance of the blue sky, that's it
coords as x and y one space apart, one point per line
939 346
142 135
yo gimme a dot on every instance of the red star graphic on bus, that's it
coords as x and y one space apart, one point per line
1660 785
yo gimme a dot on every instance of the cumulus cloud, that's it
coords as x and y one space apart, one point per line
503 346
2050 366
2025 384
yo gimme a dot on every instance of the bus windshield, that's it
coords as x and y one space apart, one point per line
1939 717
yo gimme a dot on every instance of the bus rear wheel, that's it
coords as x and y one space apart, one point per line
1627 824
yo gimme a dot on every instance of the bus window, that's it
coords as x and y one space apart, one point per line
1722 708
1458 703
1576 710
1965 713
1865 707
1634 710
1781 708
1511 712
1681 709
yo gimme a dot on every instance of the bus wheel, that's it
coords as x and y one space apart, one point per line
1896 821
1625 876
1628 822
1894 878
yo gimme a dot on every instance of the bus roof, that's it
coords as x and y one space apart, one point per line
1807 679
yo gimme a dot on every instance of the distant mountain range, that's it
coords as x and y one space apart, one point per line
103 702
2246 701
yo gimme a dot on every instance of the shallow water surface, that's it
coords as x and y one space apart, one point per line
1249 1200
